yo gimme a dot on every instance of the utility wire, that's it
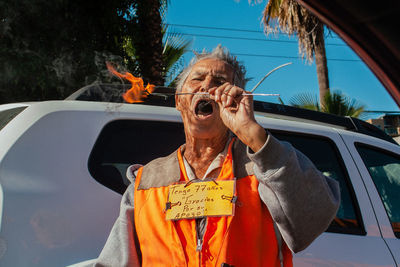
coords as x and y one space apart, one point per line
242 38
225 29
281 56
382 111
213 28
292 57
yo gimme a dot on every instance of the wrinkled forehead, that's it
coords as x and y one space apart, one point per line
214 67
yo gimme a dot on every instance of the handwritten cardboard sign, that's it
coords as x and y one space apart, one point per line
200 199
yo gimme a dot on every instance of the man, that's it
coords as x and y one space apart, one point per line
281 203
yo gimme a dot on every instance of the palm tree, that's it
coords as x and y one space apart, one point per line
146 59
333 103
174 46
148 43
294 19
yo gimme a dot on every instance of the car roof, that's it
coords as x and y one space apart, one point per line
164 96
280 116
13 105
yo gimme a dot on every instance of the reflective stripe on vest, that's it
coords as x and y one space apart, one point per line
245 239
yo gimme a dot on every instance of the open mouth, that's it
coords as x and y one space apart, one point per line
204 108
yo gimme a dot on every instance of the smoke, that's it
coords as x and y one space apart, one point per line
102 92
64 68
67 68
106 87
100 60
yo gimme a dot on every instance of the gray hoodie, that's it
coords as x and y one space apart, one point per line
301 200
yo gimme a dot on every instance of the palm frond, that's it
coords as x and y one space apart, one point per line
334 103
305 100
271 10
163 8
340 104
175 45
293 19
356 109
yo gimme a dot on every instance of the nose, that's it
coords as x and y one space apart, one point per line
207 84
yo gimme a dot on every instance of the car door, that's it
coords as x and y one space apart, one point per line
379 165
353 238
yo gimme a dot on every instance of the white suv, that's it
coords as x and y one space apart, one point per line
63 163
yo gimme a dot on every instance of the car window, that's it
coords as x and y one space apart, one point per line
384 168
325 155
125 142
7 115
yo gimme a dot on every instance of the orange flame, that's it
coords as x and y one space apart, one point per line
137 92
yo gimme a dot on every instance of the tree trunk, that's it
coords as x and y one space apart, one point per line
321 63
149 44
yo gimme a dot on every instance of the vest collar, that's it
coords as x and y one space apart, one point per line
226 164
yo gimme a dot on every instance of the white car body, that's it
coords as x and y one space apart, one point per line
54 213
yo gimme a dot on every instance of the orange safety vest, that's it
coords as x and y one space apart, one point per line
246 239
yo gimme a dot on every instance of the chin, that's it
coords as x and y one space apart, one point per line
206 130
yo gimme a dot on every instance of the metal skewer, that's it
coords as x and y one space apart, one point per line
167 94
205 93
269 73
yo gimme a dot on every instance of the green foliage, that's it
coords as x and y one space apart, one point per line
49 49
334 103
337 103
174 48
305 100
272 10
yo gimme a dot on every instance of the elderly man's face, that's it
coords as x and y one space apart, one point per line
200 114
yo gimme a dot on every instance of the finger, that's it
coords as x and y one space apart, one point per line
225 95
211 93
218 92
233 96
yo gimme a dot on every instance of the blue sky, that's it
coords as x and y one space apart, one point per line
261 53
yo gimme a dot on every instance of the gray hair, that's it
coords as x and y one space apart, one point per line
220 53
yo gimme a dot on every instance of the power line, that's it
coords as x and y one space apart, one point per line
282 56
214 28
242 38
292 57
382 111
224 29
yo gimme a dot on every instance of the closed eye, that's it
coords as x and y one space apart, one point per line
220 82
197 78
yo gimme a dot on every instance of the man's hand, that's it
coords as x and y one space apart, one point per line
236 111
